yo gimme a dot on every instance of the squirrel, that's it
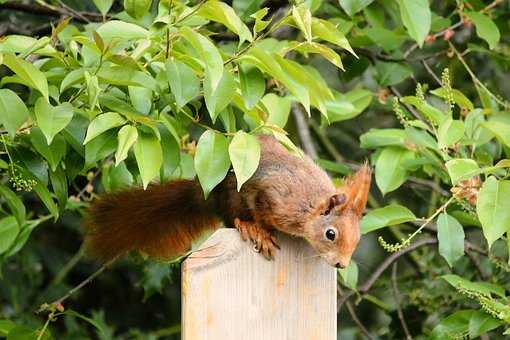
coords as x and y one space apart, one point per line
286 193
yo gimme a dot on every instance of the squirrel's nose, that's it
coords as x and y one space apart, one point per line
340 265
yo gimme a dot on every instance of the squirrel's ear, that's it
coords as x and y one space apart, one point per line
357 188
333 202
336 200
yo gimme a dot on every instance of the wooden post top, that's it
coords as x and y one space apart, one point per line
231 292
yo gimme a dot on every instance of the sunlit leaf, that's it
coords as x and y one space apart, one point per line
244 151
211 160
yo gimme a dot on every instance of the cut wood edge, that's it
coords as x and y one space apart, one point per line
222 246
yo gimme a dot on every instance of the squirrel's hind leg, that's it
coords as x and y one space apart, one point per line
263 239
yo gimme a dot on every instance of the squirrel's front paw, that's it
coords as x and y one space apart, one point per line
264 240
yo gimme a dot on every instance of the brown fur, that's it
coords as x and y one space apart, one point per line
161 221
287 193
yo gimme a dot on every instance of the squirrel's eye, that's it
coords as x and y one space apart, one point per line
330 234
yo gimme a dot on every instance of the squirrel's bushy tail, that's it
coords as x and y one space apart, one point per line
161 221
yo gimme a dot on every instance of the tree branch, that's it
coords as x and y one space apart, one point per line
304 131
50 11
396 295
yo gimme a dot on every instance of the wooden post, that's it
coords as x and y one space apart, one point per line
230 292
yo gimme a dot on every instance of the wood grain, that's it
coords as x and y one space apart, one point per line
231 292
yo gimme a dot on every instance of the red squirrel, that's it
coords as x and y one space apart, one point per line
287 193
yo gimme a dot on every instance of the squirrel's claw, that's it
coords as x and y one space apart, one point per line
263 240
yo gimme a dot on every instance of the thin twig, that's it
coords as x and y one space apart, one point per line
82 284
304 131
69 266
383 266
396 295
326 142
435 36
354 317
475 263
431 72
475 78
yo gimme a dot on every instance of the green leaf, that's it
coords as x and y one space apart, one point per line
327 31
386 216
451 238
6 326
54 152
127 137
102 123
375 138
149 156
278 109
253 85
458 97
72 78
103 5
23 44
217 98
184 83
481 323
123 76
211 160
349 275
388 40
154 276
52 119
27 333
483 288
352 7
389 73
45 196
14 203
500 129
116 29
433 114
421 138
246 8
221 12
258 16
326 52
60 186
449 132
171 153
457 323
137 8
493 208
28 73
13 112
141 98
99 148
417 18
303 20
485 28
208 53
348 105
389 170
244 151
266 63
9 230
461 169
93 90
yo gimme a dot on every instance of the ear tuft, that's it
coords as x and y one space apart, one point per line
357 187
